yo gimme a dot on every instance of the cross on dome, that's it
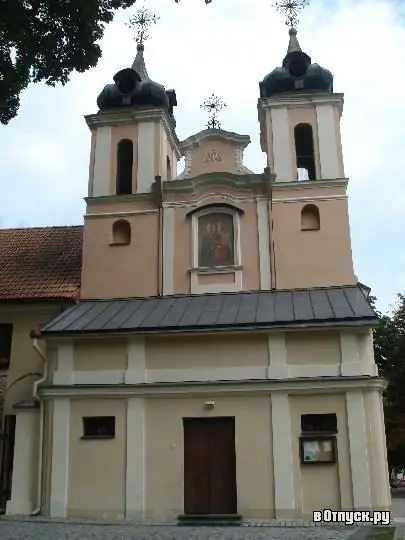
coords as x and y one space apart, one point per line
213 105
141 23
291 9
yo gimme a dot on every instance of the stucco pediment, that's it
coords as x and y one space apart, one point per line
214 150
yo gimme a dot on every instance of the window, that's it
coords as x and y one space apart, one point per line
125 157
168 169
6 334
216 240
304 150
98 427
319 423
121 233
310 218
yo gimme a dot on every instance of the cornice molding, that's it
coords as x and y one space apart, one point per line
305 385
133 115
195 140
103 199
310 184
239 181
120 214
213 206
309 199
299 101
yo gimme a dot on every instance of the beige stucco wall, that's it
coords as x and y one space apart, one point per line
313 348
100 355
321 486
24 359
206 351
118 271
165 452
323 257
97 467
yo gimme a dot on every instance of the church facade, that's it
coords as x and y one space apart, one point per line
219 359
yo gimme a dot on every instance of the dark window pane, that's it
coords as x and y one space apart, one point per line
6 334
125 157
99 426
318 423
304 149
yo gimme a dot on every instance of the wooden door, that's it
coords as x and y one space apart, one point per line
209 466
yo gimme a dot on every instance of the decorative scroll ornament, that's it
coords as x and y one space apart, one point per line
141 23
291 9
213 105
212 155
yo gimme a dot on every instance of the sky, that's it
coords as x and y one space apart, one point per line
227 47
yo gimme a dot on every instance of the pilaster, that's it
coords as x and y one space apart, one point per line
284 501
359 456
25 466
135 471
60 457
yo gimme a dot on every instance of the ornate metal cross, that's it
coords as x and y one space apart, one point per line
291 9
213 105
141 22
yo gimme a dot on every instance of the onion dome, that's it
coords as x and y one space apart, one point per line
133 88
297 73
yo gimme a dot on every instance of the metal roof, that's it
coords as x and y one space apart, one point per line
253 310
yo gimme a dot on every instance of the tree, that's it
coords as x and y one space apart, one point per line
45 40
389 350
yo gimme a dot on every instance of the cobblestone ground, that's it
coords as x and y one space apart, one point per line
17 530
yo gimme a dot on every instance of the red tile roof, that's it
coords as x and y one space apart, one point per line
40 263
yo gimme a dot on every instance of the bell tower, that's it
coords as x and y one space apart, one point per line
133 133
300 119
134 147
299 115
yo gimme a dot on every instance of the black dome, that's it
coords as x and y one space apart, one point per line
297 73
133 88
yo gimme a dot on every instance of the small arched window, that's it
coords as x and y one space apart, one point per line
310 219
125 157
304 150
216 240
121 232
168 168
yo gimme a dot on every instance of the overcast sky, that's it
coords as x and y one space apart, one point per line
226 48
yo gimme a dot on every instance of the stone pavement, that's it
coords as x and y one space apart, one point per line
399 531
32 529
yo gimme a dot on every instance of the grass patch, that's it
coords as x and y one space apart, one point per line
382 533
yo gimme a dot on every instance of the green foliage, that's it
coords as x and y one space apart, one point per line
389 350
45 40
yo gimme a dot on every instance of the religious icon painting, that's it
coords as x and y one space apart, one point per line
216 240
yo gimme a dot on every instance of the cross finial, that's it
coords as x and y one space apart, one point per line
213 105
291 9
141 22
